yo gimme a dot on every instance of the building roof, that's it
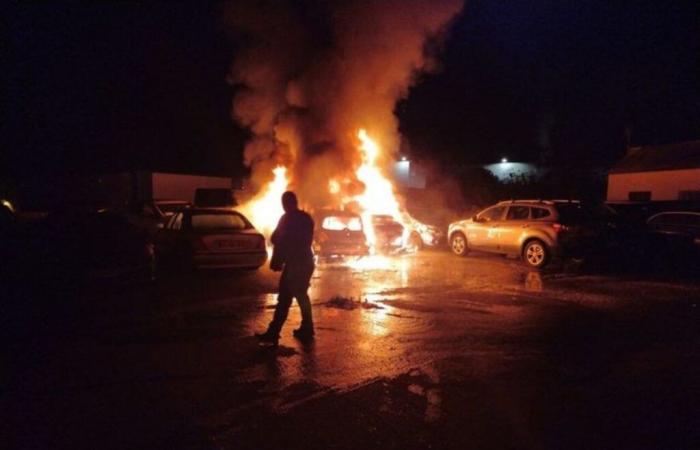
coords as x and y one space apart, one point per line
684 155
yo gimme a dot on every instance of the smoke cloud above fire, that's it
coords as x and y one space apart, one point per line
309 74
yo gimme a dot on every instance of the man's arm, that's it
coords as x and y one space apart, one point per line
277 235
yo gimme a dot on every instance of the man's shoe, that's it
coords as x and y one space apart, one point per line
268 338
304 334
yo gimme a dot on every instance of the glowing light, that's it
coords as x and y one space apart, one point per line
7 204
504 160
333 187
265 209
378 196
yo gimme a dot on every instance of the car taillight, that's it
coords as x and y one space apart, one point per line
559 227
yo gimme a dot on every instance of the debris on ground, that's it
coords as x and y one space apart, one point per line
350 303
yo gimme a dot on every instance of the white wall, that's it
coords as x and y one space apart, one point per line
181 187
663 185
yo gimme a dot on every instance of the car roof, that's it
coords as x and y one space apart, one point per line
674 213
550 202
339 213
163 201
210 210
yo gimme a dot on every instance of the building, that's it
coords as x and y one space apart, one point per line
507 171
657 174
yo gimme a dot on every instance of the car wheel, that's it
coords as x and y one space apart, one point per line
536 254
458 244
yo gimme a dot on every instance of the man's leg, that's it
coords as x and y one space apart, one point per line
301 287
284 301
307 320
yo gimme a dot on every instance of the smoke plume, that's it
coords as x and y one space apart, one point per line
309 74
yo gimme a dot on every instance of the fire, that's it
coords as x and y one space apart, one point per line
378 196
265 209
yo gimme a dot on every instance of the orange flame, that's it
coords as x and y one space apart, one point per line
378 196
265 209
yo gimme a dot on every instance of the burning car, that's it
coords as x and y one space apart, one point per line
339 233
423 235
388 233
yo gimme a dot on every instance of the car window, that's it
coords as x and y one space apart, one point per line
203 222
168 209
676 219
175 222
491 214
540 213
518 213
339 223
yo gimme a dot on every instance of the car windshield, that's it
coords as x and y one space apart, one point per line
383 220
203 222
338 223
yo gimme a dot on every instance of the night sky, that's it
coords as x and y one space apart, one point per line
93 87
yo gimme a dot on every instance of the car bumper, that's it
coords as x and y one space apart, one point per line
229 260
344 249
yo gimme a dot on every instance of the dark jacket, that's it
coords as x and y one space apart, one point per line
292 240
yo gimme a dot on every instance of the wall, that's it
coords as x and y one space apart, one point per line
664 185
177 186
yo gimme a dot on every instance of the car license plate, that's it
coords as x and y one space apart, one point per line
229 244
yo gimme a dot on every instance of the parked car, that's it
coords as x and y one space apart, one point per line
203 238
675 234
98 244
535 230
388 233
339 233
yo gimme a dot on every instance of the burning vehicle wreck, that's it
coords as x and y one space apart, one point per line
339 233
388 232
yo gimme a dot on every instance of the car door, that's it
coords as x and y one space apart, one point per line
169 237
516 223
483 231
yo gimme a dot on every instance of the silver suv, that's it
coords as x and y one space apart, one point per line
536 230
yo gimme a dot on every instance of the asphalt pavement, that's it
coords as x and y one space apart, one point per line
422 350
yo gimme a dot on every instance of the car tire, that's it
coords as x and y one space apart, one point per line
535 254
458 244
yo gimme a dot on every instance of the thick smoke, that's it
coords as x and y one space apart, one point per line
311 73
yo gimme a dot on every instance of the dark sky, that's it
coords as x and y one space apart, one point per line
113 86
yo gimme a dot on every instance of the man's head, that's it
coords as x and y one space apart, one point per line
289 201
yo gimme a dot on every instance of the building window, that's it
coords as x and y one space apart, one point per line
689 196
639 196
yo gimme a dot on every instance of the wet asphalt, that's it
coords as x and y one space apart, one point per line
422 350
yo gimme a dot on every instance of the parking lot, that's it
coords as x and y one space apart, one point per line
411 351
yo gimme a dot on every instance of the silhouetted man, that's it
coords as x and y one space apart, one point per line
293 255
